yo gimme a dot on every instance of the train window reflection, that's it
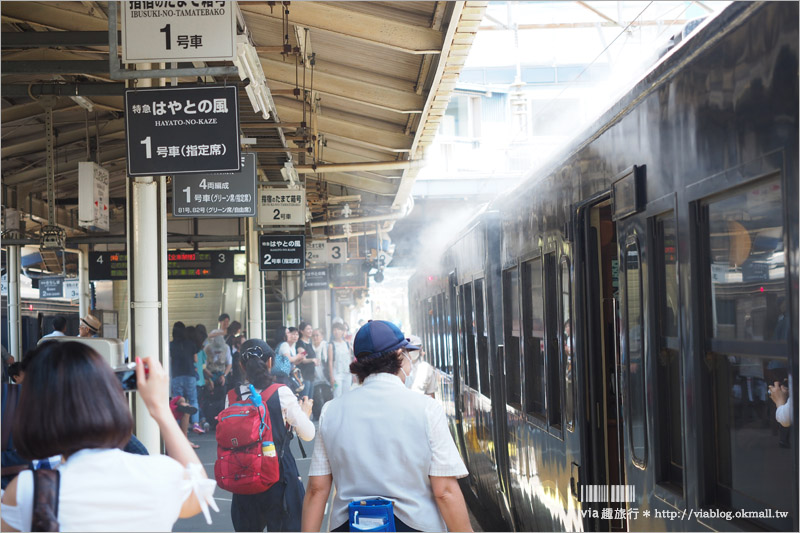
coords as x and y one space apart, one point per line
567 345
668 370
637 422
469 336
748 265
533 310
511 322
552 336
483 340
747 302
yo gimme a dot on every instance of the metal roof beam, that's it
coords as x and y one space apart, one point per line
43 39
63 138
33 174
362 184
378 31
63 89
382 139
349 88
53 16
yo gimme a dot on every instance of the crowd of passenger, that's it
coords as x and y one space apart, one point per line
65 415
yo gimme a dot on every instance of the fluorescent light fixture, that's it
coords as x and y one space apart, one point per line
84 102
249 67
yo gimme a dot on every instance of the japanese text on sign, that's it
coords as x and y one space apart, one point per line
281 252
178 30
204 119
230 194
281 207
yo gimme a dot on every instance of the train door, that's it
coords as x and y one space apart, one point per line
603 443
455 324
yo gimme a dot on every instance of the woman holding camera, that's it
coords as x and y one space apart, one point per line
73 405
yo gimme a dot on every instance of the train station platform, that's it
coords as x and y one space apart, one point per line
221 521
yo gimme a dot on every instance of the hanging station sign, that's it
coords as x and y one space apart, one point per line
52 287
282 252
92 196
223 194
171 31
315 252
181 130
316 279
281 207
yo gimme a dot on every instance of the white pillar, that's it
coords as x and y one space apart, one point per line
14 321
147 282
84 297
256 327
315 321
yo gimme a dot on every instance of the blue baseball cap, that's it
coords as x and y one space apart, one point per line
379 336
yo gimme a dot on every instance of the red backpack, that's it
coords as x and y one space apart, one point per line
247 462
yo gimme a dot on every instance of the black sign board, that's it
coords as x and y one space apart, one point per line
348 275
224 194
203 264
182 130
316 279
51 287
282 252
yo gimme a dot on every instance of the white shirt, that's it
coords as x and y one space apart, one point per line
342 357
424 378
110 490
384 440
292 412
321 350
56 333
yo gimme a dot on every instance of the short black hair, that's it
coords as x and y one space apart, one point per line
388 362
59 323
223 316
71 401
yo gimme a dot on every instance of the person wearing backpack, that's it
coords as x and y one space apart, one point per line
280 506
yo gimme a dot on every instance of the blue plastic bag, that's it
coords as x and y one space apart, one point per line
372 515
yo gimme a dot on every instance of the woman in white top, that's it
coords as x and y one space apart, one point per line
320 346
383 440
72 404
278 508
339 359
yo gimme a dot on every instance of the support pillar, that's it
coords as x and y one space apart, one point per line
14 318
84 297
315 320
256 326
147 282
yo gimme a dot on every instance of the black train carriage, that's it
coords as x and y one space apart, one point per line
605 333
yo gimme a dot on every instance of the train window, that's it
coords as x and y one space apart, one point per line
748 348
483 339
442 332
634 354
668 370
511 326
552 325
533 317
567 345
469 336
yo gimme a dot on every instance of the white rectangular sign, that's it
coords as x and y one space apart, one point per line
72 289
316 252
178 30
336 251
92 196
281 207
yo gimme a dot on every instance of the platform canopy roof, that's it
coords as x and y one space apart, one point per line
353 83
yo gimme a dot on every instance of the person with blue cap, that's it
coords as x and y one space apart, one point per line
384 440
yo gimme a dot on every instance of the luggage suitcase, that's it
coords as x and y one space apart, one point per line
322 393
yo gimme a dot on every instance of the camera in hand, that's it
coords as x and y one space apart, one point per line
127 376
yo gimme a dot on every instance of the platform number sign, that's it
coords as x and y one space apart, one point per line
282 252
336 252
